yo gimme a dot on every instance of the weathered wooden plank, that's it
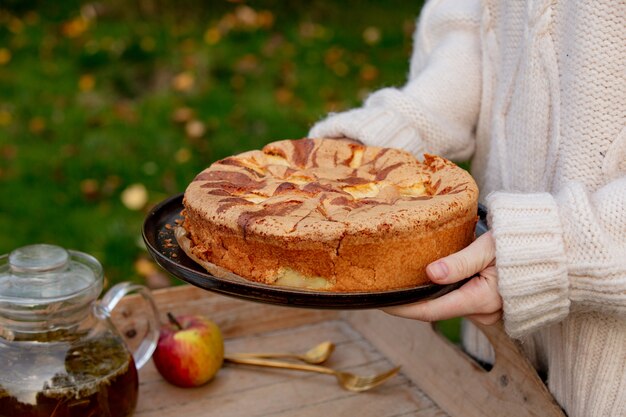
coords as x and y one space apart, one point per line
393 400
294 392
450 377
428 412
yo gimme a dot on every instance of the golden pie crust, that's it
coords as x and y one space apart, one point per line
330 214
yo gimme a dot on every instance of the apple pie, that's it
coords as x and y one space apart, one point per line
329 214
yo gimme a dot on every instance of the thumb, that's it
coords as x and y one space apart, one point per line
464 263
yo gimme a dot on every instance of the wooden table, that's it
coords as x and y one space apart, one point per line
436 379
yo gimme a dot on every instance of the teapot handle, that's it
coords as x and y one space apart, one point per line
106 305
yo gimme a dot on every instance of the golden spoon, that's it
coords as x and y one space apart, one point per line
315 355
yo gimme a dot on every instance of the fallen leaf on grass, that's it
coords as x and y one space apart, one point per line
246 16
369 73
283 95
182 155
183 81
183 114
212 36
371 35
195 129
145 267
15 25
37 125
5 56
75 27
90 188
86 82
135 196
5 118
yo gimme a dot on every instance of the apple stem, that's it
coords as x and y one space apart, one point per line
173 320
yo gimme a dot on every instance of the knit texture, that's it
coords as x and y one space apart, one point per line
530 258
535 93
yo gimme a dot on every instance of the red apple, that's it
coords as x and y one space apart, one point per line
190 350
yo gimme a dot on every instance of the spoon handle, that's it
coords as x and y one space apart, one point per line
278 364
268 355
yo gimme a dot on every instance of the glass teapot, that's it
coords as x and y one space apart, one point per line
60 354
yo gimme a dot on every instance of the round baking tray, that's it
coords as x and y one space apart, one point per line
158 234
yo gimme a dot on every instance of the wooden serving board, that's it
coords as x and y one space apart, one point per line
437 378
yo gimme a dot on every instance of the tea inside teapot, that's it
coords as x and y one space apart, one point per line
60 354
93 377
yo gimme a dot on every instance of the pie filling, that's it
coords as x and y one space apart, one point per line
291 278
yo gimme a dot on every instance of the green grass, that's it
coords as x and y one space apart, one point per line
86 103
86 111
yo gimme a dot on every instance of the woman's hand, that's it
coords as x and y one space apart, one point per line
477 299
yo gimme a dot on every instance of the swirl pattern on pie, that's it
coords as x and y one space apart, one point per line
330 215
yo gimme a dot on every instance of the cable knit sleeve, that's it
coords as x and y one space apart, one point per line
562 253
438 109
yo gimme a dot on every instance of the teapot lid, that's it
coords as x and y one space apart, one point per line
36 278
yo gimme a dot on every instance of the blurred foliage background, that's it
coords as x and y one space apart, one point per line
108 108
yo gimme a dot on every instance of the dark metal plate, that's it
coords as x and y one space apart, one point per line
158 234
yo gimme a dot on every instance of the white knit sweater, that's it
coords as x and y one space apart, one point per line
535 93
